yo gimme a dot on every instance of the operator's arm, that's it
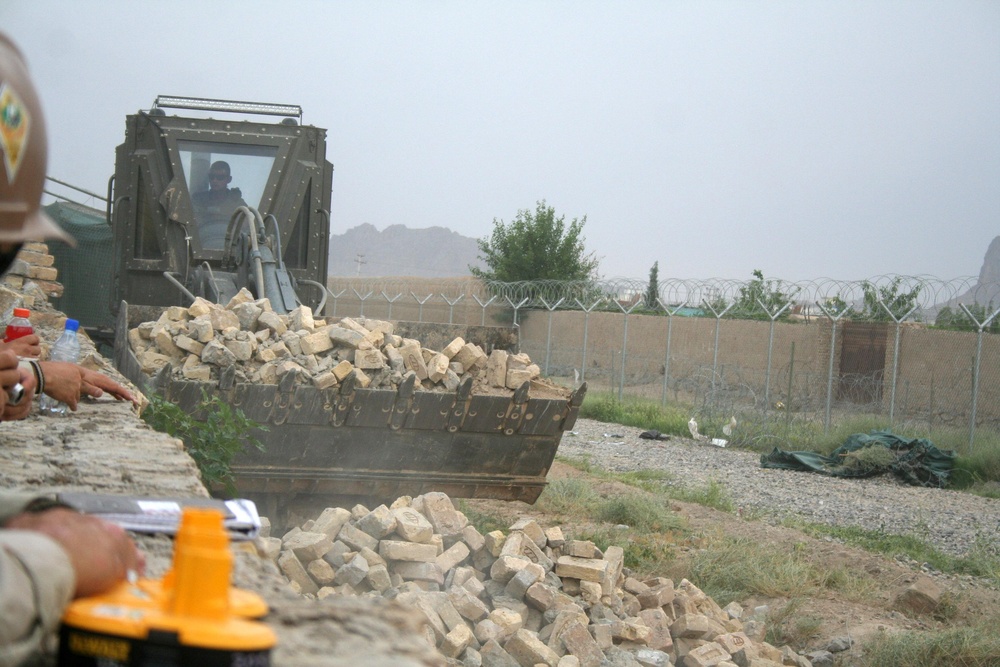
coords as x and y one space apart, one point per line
36 583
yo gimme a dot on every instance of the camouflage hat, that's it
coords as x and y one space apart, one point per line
24 150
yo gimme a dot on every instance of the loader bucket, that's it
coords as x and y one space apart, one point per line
378 444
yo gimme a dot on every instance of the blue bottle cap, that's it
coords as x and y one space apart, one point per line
72 325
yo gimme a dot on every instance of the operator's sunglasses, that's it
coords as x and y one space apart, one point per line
218 177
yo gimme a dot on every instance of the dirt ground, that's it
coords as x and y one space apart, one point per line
966 601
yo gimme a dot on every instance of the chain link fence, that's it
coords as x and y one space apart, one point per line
914 352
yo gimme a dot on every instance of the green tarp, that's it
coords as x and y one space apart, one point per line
915 461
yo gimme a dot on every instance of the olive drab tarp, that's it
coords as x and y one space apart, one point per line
915 461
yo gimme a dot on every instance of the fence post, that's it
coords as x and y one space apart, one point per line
975 368
770 344
482 321
420 308
586 323
335 297
390 301
895 357
666 360
451 307
548 339
362 299
621 381
715 348
515 323
834 319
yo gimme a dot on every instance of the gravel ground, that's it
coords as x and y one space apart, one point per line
950 520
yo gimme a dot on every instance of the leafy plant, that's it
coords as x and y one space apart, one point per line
536 245
759 299
213 442
892 298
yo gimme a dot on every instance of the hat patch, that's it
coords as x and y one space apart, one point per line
15 120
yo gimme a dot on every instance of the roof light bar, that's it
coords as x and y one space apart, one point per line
229 106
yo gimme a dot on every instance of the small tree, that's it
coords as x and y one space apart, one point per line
536 246
899 303
759 291
652 299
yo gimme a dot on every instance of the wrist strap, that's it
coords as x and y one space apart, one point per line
39 376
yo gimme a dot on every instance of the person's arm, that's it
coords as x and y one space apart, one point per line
66 382
36 583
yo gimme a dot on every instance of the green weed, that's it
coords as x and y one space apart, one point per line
212 441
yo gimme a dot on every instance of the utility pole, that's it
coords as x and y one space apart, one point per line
360 259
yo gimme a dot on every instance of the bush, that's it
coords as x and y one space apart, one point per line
212 443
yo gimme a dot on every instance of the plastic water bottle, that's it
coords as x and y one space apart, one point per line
19 325
67 348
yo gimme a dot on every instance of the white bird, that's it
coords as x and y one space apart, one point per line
728 428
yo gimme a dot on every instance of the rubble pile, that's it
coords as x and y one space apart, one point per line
528 597
264 347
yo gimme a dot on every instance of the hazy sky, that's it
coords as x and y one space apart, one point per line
841 139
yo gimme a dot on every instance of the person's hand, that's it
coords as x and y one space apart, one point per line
66 382
9 375
101 553
26 347
23 407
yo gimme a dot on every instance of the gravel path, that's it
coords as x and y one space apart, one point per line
950 520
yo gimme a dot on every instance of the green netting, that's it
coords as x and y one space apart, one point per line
915 461
84 271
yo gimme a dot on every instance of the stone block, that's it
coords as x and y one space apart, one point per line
456 641
531 529
922 596
398 550
370 360
579 643
272 322
413 359
357 539
217 354
467 604
580 549
330 521
378 523
189 344
452 556
411 525
659 629
708 655
417 571
496 368
586 569
507 620
293 569
494 541
315 343
352 572
525 647
473 538
656 597
321 572
308 546
241 348
437 367
471 356
505 567
439 510
378 578
554 537
494 655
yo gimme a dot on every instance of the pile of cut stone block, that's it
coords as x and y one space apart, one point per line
264 347
524 598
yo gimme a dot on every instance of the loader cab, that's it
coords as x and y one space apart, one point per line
170 218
